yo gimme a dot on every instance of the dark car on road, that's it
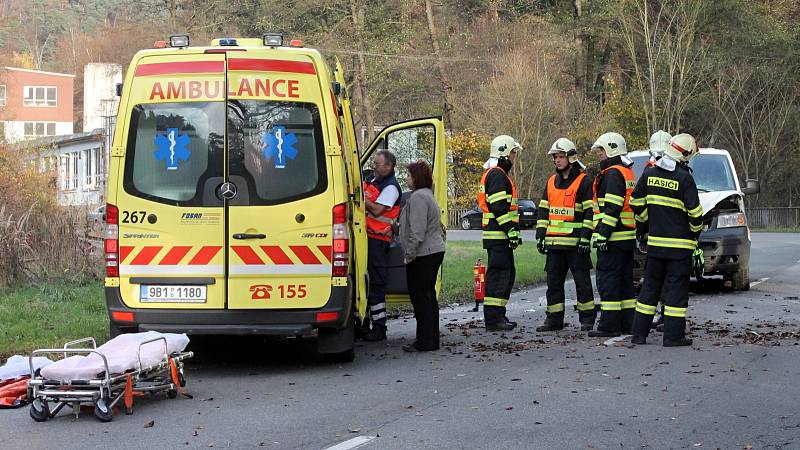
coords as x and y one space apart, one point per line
471 220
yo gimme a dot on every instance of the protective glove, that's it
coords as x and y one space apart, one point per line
698 263
514 239
583 247
601 243
540 246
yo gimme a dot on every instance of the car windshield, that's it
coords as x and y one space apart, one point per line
711 173
526 204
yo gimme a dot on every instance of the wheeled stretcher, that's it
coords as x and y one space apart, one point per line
108 376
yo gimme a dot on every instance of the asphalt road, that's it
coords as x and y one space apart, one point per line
734 388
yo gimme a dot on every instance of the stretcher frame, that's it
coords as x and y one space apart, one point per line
107 390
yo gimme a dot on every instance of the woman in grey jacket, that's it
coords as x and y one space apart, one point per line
422 239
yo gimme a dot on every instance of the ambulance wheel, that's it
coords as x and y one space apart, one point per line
102 411
40 410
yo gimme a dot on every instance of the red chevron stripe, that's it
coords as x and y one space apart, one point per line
175 255
205 255
276 254
327 251
247 254
124 251
146 255
305 254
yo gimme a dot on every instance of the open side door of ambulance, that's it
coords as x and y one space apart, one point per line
410 141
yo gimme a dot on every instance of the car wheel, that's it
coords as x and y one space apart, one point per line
741 279
465 225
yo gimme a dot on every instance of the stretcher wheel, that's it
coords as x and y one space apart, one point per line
102 411
40 410
181 378
172 393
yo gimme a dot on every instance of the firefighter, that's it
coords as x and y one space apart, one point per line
382 198
615 235
659 141
666 200
498 201
564 234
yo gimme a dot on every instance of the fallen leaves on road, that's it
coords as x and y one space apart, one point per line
150 424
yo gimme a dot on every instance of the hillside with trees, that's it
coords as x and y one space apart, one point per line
723 70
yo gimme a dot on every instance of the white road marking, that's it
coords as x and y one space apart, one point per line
357 441
758 281
614 340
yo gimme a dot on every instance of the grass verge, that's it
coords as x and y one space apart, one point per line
460 258
51 314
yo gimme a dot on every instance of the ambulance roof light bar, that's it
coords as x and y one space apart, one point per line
179 40
273 39
228 42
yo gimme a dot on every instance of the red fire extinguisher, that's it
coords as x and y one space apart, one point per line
479 279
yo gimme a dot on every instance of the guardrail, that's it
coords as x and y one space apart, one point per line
778 217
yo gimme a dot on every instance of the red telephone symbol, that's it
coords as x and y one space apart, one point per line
260 291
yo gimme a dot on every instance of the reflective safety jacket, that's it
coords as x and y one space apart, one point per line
497 199
565 211
381 227
613 216
668 206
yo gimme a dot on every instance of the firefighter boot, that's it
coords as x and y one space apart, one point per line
639 340
500 326
587 320
378 333
505 319
626 317
604 333
552 323
680 342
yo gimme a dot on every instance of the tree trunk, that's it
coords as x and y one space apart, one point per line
447 88
580 50
357 13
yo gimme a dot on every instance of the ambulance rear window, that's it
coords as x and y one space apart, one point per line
277 148
173 150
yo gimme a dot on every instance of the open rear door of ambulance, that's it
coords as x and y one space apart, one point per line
171 223
410 141
280 215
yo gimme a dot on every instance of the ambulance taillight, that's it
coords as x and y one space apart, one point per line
112 241
341 241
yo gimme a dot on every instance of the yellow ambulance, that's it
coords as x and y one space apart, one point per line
235 201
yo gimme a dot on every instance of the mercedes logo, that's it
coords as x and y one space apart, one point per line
227 190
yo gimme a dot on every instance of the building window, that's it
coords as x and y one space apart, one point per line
2 95
39 129
40 96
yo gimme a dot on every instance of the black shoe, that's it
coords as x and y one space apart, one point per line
500 326
505 319
681 342
411 348
550 325
639 340
603 333
660 328
377 334
587 326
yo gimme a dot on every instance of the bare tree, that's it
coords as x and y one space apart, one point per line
661 40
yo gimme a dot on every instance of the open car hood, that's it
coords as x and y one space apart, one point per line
710 199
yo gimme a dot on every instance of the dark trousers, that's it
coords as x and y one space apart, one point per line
421 276
558 263
500 274
378 269
668 280
615 285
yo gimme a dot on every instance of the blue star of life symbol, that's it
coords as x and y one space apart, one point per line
172 148
279 145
